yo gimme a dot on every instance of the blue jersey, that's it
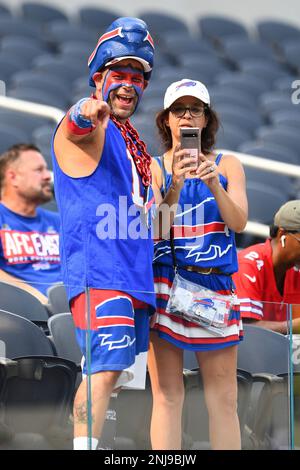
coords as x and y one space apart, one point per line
201 238
29 247
105 241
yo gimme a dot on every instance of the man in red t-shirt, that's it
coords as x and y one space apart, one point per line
268 278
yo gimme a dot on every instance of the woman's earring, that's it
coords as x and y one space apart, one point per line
282 239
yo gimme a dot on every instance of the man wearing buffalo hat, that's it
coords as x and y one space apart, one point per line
103 189
269 278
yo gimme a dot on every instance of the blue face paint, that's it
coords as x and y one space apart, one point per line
118 77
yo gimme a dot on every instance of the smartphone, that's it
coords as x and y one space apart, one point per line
190 139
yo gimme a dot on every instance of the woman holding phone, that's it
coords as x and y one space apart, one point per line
201 249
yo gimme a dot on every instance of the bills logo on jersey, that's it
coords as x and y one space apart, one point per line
25 247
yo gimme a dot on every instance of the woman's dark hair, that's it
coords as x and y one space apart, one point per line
208 136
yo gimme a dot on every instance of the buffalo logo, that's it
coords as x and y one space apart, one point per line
186 84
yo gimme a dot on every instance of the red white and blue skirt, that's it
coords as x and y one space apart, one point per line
185 334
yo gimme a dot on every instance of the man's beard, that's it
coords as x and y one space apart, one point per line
40 197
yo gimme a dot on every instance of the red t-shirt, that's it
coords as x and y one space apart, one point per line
256 285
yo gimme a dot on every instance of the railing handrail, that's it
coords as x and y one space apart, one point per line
57 114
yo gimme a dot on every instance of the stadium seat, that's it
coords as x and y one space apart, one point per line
290 53
269 150
64 66
58 299
62 331
274 32
16 300
38 96
243 83
276 101
268 70
237 116
42 138
39 83
23 47
10 26
41 13
237 49
180 43
195 417
96 18
224 96
10 136
24 121
21 337
216 28
274 180
264 201
285 83
8 66
161 23
289 119
4 11
229 136
283 136
60 31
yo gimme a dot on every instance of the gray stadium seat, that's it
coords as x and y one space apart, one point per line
16 300
24 121
161 23
60 31
269 150
62 331
289 138
8 66
291 53
10 26
243 83
4 11
268 70
237 49
97 18
38 96
41 13
215 28
229 137
239 116
58 299
264 201
10 136
274 31
289 119
22 46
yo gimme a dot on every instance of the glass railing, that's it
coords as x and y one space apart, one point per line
40 373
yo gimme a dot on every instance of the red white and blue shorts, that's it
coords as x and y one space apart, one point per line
116 331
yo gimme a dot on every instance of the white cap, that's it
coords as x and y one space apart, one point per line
186 87
145 64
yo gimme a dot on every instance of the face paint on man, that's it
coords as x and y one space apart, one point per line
128 77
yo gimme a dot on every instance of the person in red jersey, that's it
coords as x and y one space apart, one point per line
268 277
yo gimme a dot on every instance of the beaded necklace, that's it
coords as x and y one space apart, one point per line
135 145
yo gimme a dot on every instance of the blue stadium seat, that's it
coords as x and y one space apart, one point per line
38 96
274 32
60 31
237 49
289 138
182 42
161 23
10 136
264 201
244 83
289 119
291 53
215 28
269 150
9 65
4 11
41 13
224 96
267 69
237 116
272 101
41 84
10 26
229 136
22 47
24 121
97 18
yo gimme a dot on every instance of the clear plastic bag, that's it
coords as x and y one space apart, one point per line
200 305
